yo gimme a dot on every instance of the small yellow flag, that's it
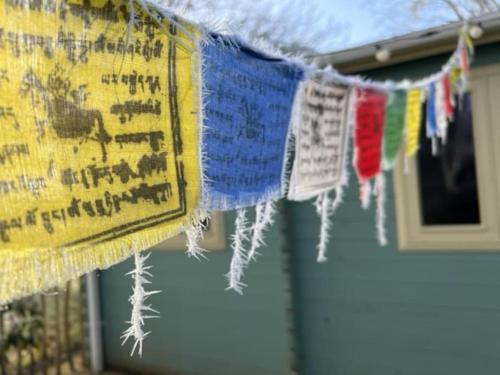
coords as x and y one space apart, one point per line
99 138
455 75
413 120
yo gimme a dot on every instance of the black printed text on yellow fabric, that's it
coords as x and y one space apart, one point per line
98 149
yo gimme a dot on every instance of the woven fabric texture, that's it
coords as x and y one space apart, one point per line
247 109
99 148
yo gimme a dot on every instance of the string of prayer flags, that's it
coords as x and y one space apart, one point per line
393 127
246 120
102 141
116 136
124 125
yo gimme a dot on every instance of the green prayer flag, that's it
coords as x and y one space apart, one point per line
393 127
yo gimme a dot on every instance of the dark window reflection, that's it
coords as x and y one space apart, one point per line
448 183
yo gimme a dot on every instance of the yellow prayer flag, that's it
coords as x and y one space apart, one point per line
468 42
455 75
99 142
413 119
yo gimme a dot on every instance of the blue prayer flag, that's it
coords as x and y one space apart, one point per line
248 99
431 123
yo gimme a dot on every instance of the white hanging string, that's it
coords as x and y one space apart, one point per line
140 309
194 234
238 260
441 117
323 209
339 198
380 191
365 194
434 145
264 217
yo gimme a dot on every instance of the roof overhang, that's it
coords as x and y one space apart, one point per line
409 47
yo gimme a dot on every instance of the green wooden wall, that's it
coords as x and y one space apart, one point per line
368 311
377 311
204 329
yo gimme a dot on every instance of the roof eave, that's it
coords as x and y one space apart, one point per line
409 47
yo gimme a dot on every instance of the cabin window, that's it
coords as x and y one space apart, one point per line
450 201
448 181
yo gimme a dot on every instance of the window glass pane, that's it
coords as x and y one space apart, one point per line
448 183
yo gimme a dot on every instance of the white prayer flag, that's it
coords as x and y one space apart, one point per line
319 124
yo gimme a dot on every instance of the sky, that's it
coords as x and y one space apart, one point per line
368 21
322 25
361 25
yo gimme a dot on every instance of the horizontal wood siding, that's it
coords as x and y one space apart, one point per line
204 329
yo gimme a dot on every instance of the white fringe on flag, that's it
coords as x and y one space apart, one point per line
339 198
323 208
441 117
380 193
434 146
264 217
239 260
365 192
194 235
138 299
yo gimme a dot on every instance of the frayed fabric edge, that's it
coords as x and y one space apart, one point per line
239 257
40 270
380 192
141 310
365 193
264 218
194 235
323 209
215 201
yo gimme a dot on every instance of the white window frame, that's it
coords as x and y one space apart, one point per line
412 234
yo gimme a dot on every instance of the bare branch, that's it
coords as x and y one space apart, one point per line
454 8
292 24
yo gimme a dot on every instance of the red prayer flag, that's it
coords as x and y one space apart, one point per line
368 131
464 60
448 106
